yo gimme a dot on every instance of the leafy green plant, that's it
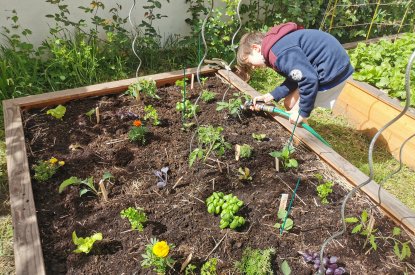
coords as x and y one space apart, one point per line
245 151
259 137
88 183
84 245
233 105
90 113
45 169
226 206
244 173
323 189
365 227
145 86
187 108
285 268
138 132
209 267
157 256
285 156
256 262
136 217
203 81
210 140
208 96
289 223
57 112
151 113
190 269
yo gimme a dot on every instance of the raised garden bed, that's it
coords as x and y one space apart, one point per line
176 213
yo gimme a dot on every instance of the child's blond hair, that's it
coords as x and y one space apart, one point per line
245 48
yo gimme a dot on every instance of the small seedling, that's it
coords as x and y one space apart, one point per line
226 206
57 112
245 151
136 217
259 137
138 132
203 81
285 156
190 270
289 223
147 87
162 177
209 267
256 261
285 268
151 113
323 189
84 245
157 256
188 108
233 105
244 173
88 183
330 262
208 96
45 169
90 113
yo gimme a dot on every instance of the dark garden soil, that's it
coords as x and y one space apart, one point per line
177 213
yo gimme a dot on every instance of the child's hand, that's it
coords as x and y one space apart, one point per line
293 118
265 98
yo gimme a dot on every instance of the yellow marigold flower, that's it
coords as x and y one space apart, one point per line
61 163
137 123
53 160
161 249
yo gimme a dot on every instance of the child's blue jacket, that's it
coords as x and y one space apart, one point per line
311 60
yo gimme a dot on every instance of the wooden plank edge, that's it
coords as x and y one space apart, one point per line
381 96
390 205
59 97
28 253
353 45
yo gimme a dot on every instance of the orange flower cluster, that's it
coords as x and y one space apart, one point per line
137 123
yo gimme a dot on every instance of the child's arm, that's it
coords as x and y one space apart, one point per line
284 89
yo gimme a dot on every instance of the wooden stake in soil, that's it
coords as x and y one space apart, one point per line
237 151
103 190
192 80
97 114
188 259
283 202
277 164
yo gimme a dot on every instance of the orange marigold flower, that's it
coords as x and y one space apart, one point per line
137 123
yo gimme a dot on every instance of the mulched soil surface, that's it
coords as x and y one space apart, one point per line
179 215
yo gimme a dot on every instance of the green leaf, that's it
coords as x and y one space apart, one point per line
372 242
357 228
57 112
83 191
70 181
289 223
396 231
107 176
293 163
364 216
351 220
285 268
282 213
275 154
396 250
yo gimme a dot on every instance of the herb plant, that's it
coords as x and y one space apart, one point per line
233 105
226 206
57 112
330 263
289 223
285 156
84 245
151 113
259 137
45 169
245 151
162 177
189 109
145 86
256 262
208 96
138 132
244 173
210 141
323 189
190 269
157 256
136 217
88 183
209 267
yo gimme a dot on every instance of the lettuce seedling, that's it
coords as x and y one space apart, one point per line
136 217
84 245
207 96
245 151
151 113
162 177
244 173
323 189
289 223
259 137
285 156
57 112
209 267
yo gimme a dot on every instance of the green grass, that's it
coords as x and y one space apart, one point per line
350 144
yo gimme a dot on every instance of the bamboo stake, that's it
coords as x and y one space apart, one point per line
192 80
373 19
97 114
103 190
